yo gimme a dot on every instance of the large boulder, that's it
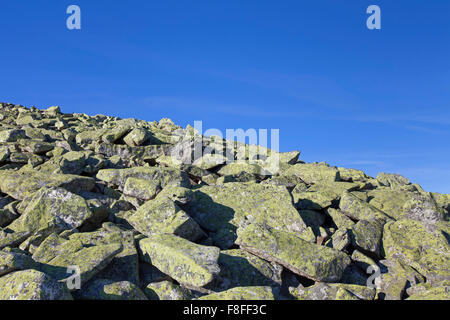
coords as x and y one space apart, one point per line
222 209
161 176
188 263
52 210
32 285
243 293
313 261
103 289
412 243
163 215
22 184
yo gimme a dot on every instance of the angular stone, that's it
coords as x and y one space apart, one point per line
52 210
162 215
310 260
321 195
161 176
437 293
126 153
340 220
72 162
103 289
166 290
362 261
238 168
352 175
186 262
209 161
13 239
36 146
413 244
136 137
13 261
32 285
115 134
243 293
90 261
221 209
313 172
407 205
6 217
333 291
22 184
359 209
366 235
395 278
339 240
141 188
392 180
12 135
124 265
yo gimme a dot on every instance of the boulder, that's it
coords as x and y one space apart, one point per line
318 263
188 263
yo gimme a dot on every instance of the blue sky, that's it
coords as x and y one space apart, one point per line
375 100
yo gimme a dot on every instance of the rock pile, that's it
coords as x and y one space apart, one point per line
97 207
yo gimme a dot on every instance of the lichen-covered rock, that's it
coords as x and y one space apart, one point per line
161 176
12 135
395 278
352 175
103 289
366 235
358 209
89 260
313 172
188 263
162 215
13 239
32 285
136 137
6 217
407 205
392 180
413 244
52 210
124 265
333 291
243 293
436 293
22 184
310 260
340 219
166 290
12 261
222 209
340 240
209 161
138 206
141 188
321 195
240 268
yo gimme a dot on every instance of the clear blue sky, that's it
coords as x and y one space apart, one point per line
372 100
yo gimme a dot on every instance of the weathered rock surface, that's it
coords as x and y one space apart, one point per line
188 263
140 210
310 260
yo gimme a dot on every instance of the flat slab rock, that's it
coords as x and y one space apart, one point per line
309 260
187 262
32 285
